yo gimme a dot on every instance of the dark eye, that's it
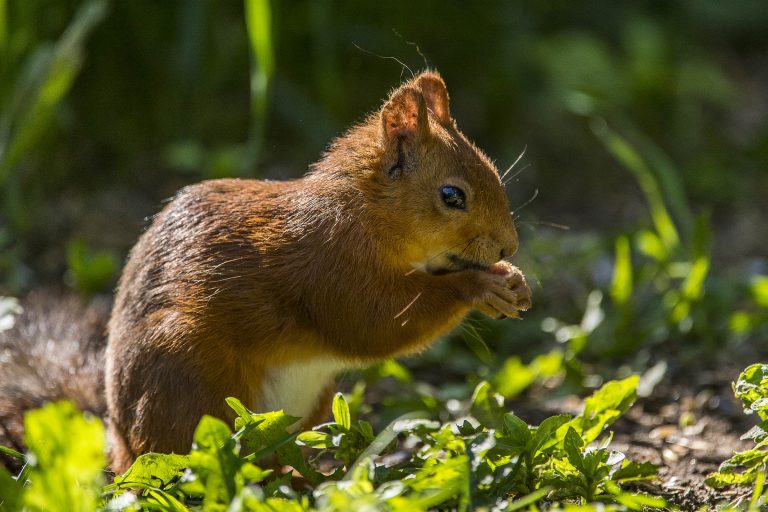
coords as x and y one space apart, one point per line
453 197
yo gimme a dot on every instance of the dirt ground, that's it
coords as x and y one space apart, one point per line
687 428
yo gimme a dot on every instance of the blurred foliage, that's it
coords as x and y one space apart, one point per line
66 462
89 270
121 103
645 123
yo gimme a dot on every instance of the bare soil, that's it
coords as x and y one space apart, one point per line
687 427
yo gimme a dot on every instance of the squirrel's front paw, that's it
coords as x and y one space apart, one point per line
502 291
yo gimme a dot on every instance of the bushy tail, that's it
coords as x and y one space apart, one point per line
53 351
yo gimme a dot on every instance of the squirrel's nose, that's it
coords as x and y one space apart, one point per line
508 251
509 243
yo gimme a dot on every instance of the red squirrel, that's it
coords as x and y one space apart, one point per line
264 290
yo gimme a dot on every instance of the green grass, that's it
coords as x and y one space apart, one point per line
486 458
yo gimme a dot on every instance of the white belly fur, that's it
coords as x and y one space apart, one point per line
295 387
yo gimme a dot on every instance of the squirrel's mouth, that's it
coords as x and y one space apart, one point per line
455 263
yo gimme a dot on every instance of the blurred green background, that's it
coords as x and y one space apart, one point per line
644 125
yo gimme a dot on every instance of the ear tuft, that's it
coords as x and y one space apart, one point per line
405 114
435 94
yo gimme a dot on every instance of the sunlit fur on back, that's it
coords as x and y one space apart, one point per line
358 261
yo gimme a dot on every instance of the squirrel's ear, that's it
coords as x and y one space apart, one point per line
436 95
405 114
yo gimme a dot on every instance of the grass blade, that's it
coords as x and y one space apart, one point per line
46 80
258 17
621 286
382 440
623 151
11 452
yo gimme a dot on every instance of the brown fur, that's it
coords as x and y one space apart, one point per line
54 351
359 260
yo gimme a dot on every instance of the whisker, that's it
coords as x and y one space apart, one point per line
466 247
508 180
423 266
532 225
408 306
533 276
471 331
387 57
529 201
553 225
418 50
513 163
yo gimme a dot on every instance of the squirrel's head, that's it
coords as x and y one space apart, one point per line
438 194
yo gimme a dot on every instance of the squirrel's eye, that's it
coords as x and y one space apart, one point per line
453 197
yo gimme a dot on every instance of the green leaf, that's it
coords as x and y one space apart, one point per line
528 500
621 285
725 479
741 322
211 433
391 368
616 395
693 286
315 439
262 430
631 471
220 473
517 432
341 412
595 465
572 445
90 270
748 460
152 470
758 433
67 461
240 409
605 406
752 389
549 364
513 378
640 502
10 491
382 440
437 482
758 498
487 406
408 425
267 433
651 245
546 433
169 503
11 453
759 289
